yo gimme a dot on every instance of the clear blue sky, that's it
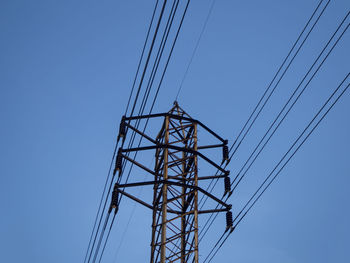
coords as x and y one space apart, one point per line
66 69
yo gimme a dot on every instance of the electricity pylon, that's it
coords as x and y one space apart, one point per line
176 187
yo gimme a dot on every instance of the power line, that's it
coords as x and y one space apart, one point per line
101 237
145 97
323 116
212 217
172 48
149 55
334 45
116 145
164 71
195 48
278 71
127 224
304 87
152 75
142 53
290 157
289 100
145 67
280 68
109 232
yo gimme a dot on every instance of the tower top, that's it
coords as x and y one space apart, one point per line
177 110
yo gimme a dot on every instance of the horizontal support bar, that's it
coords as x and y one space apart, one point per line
210 146
138 164
146 204
135 199
177 177
211 177
178 118
183 149
146 116
141 133
177 184
213 211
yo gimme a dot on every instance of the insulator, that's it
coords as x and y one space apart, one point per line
225 153
118 162
229 220
122 130
227 182
114 198
114 201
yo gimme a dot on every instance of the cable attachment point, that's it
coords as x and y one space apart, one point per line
225 152
229 220
118 162
122 130
114 201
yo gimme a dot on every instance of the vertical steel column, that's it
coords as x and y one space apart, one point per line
178 237
164 194
183 217
195 198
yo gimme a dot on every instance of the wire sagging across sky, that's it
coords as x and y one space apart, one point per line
304 135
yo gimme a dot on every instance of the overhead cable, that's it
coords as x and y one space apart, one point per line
165 68
322 109
195 48
135 101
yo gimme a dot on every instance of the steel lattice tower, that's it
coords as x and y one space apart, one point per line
176 184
